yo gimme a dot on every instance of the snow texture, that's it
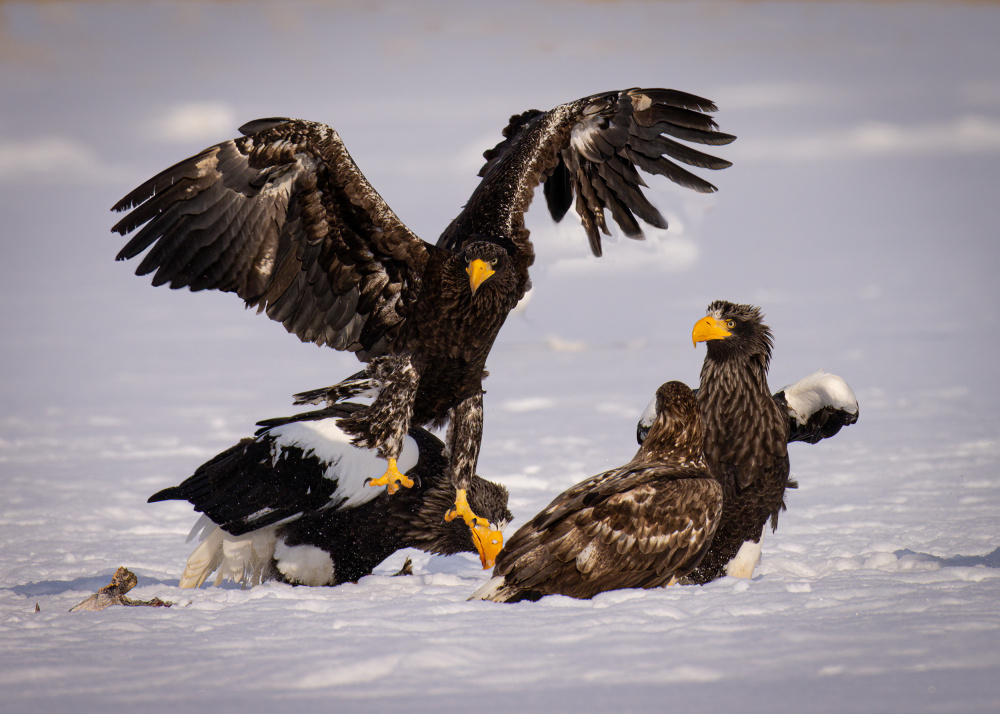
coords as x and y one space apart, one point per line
860 214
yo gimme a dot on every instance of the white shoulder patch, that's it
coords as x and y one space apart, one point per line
817 390
342 461
648 416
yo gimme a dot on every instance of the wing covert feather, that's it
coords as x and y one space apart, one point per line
630 527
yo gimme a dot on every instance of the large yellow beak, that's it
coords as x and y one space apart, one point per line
489 543
708 328
487 539
479 271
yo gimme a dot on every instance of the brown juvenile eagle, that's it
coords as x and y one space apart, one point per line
747 430
283 217
643 525
291 504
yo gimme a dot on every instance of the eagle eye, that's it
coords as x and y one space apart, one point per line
730 324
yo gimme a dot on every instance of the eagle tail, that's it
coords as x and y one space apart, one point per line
246 559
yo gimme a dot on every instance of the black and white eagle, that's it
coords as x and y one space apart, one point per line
292 504
284 218
747 430
643 525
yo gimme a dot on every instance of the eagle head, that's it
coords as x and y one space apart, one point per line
729 327
483 259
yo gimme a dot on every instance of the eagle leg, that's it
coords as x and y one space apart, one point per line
384 423
393 479
486 537
465 432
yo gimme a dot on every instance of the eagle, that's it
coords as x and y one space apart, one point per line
747 430
642 525
284 218
291 504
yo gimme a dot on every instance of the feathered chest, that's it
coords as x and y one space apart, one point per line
451 326
744 430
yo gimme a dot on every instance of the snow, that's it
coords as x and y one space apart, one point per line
860 214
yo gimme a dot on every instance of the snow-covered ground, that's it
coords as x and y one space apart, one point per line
861 214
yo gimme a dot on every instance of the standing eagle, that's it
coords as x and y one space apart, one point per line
643 525
816 407
291 504
747 430
283 217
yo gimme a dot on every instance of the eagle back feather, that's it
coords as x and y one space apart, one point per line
644 524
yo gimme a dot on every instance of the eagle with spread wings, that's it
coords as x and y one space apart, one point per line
284 218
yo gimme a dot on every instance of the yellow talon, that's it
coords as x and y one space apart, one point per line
393 479
461 508
488 540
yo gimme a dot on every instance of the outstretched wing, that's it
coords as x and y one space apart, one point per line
616 530
283 217
817 407
591 148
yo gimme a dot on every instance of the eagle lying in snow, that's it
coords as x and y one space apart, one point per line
291 504
643 525
747 430
283 217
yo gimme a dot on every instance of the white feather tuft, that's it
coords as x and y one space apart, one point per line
304 564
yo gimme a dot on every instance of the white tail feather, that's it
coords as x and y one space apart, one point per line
491 589
245 559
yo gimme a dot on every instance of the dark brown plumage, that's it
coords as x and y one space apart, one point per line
746 433
742 434
816 407
643 525
284 218
290 504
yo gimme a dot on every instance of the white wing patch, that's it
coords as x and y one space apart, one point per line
817 390
343 461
